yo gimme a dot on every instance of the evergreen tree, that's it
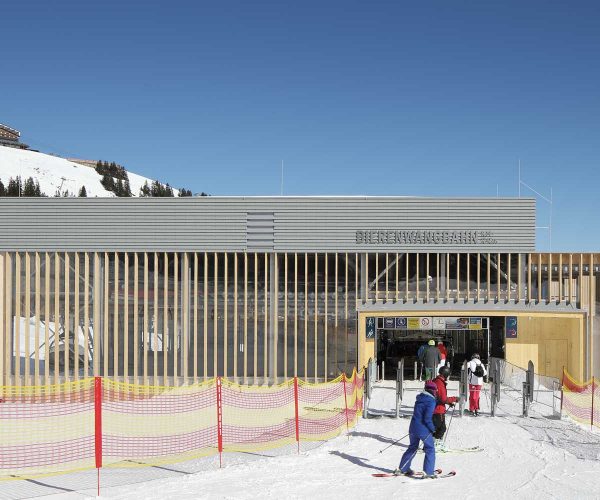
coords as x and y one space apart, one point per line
127 187
15 187
82 192
29 188
145 190
38 191
2 190
168 191
108 183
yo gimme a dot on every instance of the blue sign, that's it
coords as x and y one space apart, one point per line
389 322
400 322
370 330
511 327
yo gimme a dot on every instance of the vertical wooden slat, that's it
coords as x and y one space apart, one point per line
36 368
447 277
225 303
346 318
126 318
406 258
266 323
47 265
539 292
335 331
245 317
397 265
205 325
295 314
560 278
457 276
175 319
185 310
437 276
155 322
136 322
387 267
285 316
146 333
519 274
417 257
17 337
86 313
115 334
2 323
316 316
275 314
57 275
215 314
67 328
498 280
235 316
478 276
508 279
580 285
570 278
165 333
97 313
306 317
468 276
195 317
326 316
255 376
76 318
27 314
549 277
376 276
427 277
8 319
105 338
528 277
489 277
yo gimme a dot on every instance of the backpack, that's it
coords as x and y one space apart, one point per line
478 371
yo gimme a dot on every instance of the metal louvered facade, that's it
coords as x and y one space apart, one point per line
279 224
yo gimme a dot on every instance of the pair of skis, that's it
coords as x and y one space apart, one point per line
417 475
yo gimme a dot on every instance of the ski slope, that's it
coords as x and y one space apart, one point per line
55 173
523 458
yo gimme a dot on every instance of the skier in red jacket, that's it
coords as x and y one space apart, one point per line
439 414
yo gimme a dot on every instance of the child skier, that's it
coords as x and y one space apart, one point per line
421 429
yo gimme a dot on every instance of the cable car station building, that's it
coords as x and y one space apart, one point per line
260 289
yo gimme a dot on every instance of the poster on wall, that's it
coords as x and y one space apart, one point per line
511 327
389 322
370 328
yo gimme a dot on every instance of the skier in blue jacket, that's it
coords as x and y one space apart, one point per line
421 429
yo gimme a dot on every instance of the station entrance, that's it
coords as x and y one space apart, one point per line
400 337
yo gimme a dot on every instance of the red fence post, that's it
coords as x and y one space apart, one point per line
220 421
346 404
562 391
593 388
296 413
98 426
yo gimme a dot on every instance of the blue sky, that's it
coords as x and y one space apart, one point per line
374 98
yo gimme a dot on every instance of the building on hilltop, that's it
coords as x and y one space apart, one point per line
9 137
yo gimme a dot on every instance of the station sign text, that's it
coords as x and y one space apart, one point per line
421 237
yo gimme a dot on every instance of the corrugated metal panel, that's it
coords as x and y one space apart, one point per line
311 224
260 231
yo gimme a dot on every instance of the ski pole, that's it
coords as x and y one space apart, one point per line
389 446
449 424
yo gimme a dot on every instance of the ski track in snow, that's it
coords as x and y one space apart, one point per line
522 458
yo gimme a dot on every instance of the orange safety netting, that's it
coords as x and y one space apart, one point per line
102 423
580 400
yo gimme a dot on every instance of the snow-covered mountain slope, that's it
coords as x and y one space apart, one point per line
54 173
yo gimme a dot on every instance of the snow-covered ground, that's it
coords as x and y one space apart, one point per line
55 173
534 457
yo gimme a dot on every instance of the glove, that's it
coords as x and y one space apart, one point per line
452 400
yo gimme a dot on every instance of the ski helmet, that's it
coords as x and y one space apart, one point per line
444 371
